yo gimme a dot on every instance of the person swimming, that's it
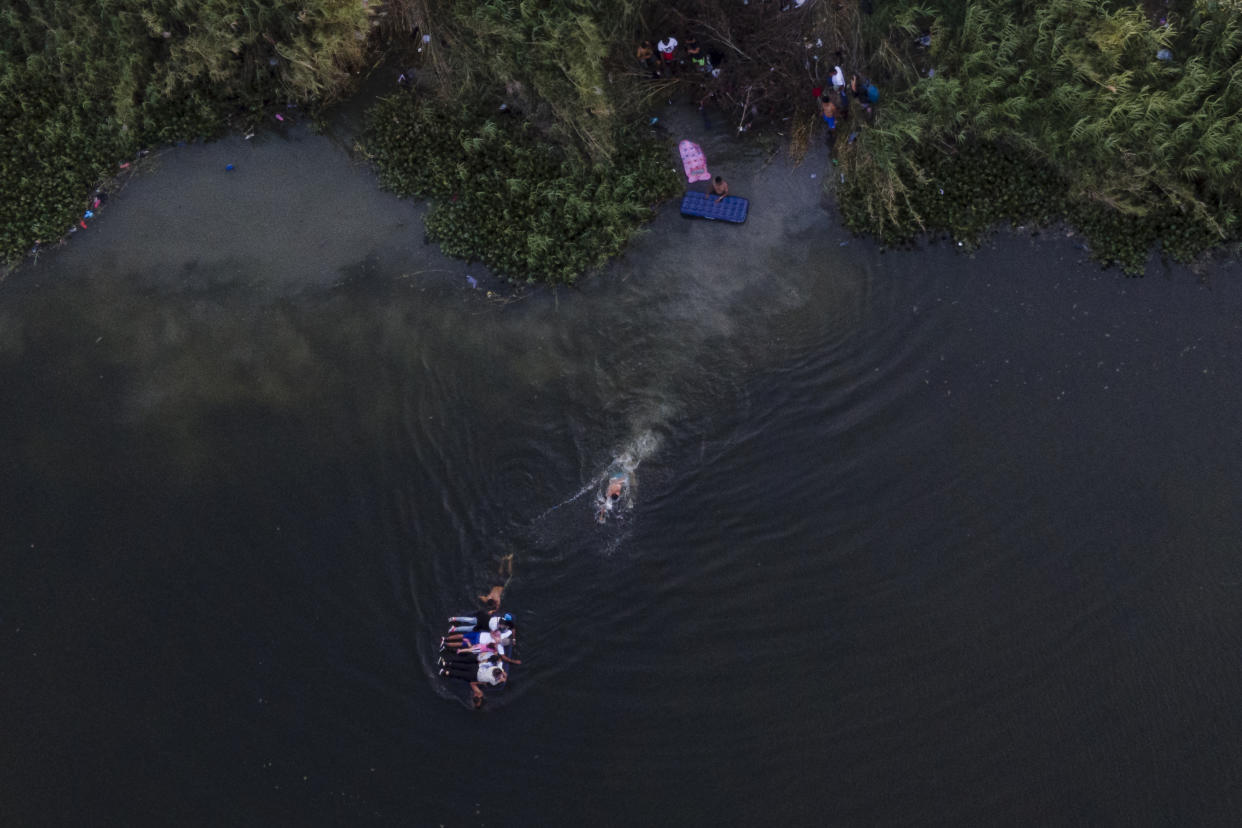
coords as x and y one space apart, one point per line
618 483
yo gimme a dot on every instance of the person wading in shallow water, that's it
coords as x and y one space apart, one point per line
720 189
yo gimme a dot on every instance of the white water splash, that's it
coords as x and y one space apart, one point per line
623 465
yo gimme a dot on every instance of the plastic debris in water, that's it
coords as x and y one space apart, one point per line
843 244
125 165
1164 54
812 175
474 283
426 38
82 224
228 167
654 120
88 214
279 117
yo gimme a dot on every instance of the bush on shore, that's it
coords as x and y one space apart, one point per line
1086 110
85 84
527 208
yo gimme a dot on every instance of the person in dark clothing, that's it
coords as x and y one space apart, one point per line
695 53
478 674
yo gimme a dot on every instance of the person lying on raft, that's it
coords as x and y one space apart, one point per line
478 675
480 622
617 484
483 650
456 641
480 652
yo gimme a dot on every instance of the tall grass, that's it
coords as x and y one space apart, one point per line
84 83
1136 149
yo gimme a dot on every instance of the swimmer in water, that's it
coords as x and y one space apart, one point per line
617 485
491 601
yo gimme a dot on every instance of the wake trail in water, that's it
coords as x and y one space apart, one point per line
588 487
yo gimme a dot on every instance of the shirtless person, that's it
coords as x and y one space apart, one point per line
720 189
829 113
616 488
491 601
646 56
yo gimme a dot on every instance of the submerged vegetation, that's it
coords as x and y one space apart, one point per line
526 122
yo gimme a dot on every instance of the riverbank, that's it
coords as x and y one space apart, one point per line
1129 140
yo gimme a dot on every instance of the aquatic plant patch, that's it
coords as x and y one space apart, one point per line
530 209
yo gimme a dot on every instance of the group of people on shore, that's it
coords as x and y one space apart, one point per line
669 55
835 102
476 647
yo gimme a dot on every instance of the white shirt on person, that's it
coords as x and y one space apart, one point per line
666 46
489 674
495 638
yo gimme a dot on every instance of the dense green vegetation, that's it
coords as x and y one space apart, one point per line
84 84
528 208
1065 109
1054 109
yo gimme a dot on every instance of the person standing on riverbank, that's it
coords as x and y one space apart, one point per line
668 53
646 58
695 53
829 113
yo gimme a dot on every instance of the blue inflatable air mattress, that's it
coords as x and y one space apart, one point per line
704 205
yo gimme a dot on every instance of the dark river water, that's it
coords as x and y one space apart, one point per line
915 537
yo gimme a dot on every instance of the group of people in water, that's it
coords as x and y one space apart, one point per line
476 648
